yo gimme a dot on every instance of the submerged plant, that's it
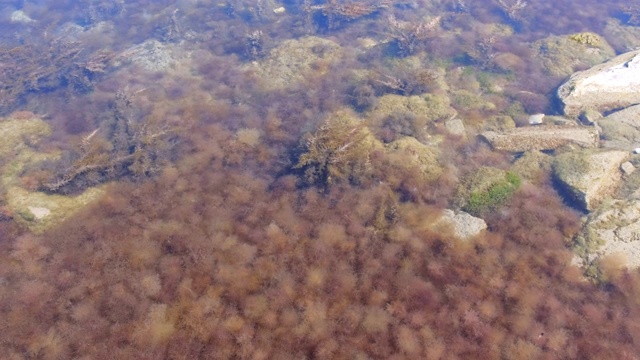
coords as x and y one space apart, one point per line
58 63
122 146
339 150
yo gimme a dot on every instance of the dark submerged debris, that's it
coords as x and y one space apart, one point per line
336 11
128 146
254 45
512 8
409 36
47 66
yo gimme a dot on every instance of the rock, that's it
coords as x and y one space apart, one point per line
485 190
293 60
463 225
541 138
407 153
455 127
431 107
562 55
536 119
19 16
39 212
498 123
623 37
590 116
589 176
621 129
409 115
35 210
614 84
532 165
151 55
613 230
627 168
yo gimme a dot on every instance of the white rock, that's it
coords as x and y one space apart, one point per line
536 119
614 84
39 212
20 16
280 10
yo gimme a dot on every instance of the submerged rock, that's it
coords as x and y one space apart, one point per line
541 138
612 85
621 129
407 153
36 210
564 54
589 176
151 55
614 229
430 107
463 225
293 60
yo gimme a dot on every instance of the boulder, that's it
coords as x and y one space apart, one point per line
408 153
589 176
612 85
621 129
614 229
35 210
293 60
561 55
541 138
463 225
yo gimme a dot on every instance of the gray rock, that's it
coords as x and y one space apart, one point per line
614 84
455 127
151 55
627 168
589 176
621 129
463 225
293 60
541 138
614 230
590 116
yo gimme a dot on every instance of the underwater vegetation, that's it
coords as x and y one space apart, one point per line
245 220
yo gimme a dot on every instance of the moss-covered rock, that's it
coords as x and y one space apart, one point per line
293 60
35 210
531 165
408 153
563 55
465 99
409 115
486 189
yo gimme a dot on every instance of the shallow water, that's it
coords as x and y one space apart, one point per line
270 182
